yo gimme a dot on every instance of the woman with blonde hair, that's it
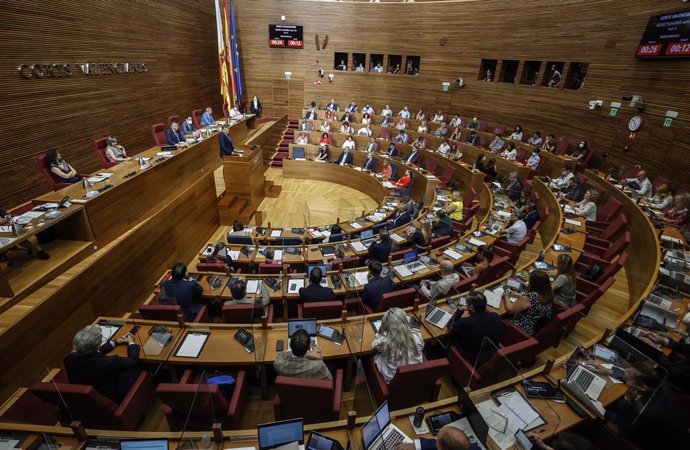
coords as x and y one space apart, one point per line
662 200
397 344
587 208
563 285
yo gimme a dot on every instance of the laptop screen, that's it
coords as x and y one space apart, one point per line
572 362
375 425
275 434
429 308
305 324
410 256
144 444
470 411
366 234
632 348
383 416
320 442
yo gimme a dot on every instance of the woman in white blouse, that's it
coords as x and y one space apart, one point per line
510 152
396 343
325 127
364 131
516 135
422 128
587 208
662 200
401 125
349 143
366 119
302 139
346 128
420 115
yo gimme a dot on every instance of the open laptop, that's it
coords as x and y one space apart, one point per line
474 417
276 434
367 237
318 441
309 325
436 316
590 383
378 433
324 279
410 261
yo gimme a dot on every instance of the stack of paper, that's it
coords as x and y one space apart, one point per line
276 233
358 246
397 238
568 209
362 278
192 345
388 185
402 271
576 223
452 253
475 242
253 286
493 298
278 255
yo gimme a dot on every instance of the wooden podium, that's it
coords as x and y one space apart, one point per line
244 185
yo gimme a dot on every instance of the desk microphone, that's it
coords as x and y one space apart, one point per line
131 174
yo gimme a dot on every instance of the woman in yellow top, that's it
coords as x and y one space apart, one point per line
454 208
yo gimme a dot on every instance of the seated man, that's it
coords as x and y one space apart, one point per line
301 361
479 332
173 134
188 126
434 289
474 125
531 215
315 292
186 292
402 137
238 290
443 224
6 220
473 139
311 115
369 163
345 158
225 142
386 121
449 438
413 158
564 179
402 217
404 113
534 159
332 105
575 190
536 139
387 111
640 185
381 249
516 231
372 146
497 144
441 131
207 117
377 285
111 376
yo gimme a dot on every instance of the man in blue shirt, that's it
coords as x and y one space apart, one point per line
377 285
186 292
173 134
226 147
188 126
207 117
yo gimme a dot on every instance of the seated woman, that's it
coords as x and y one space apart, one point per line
329 116
662 200
483 260
444 148
420 116
30 247
396 344
563 285
420 237
403 183
422 128
61 171
581 151
490 171
302 139
677 215
455 152
587 208
387 171
325 139
533 307
325 126
479 163
346 128
269 254
402 125
510 152
420 143
323 153
516 135
454 207
366 119
349 143
456 134
115 153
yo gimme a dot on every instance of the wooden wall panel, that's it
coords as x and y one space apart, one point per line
175 39
603 33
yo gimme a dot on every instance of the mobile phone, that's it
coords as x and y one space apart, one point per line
279 345
134 330
523 441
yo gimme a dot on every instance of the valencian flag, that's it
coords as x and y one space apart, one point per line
228 54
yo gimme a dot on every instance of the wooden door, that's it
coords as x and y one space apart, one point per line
281 90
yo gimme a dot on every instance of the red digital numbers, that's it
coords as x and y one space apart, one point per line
294 43
678 48
276 43
649 50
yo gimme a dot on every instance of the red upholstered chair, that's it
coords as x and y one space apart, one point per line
483 125
543 157
196 118
173 118
158 131
243 313
401 299
398 254
464 134
199 405
99 146
56 185
500 129
440 241
385 133
447 175
217 266
320 310
412 384
313 400
595 295
431 164
483 141
348 263
84 403
461 228
169 313
631 172
605 213
608 253
497 367
562 146
584 163
469 197
603 239
271 268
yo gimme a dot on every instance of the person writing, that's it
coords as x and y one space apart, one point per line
60 169
114 152
532 309
396 344
225 142
207 117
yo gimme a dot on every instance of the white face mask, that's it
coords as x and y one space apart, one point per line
189 121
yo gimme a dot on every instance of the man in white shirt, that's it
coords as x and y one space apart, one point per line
434 289
640 185
444 148
402 137
359 68
564 180
534 159
364 131
456 122
516 232
387 111
438 117
342 65
368 109
497 144
404 113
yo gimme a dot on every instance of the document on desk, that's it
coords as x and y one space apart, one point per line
362 278
164 154
475 242
502 423
192 345
355 225
452 253
493 297
402 271
358 246
8 444
5 229
576 223
519 406
464 425
276 233
670 239
295 285
253 286
388 185
32 215
108 332
569 209
397 238
234 254
278 255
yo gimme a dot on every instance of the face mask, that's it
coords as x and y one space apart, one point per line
581 146
189 121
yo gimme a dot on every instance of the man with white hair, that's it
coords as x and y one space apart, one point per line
434 289
111 376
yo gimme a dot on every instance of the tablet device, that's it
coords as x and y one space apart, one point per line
330 333
438 421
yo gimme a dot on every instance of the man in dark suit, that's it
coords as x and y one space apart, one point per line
514 187
188 126
392 150
187 293
531 216
413 158
226 147
345 158
473 139
311 115
575 191
173 134
370 163
401 218
111 376
332 105
315 292
449 438
379 250
480 332
377 285
255 106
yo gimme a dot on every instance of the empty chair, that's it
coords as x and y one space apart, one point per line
217 266
347 263
431 164
385 133
412 384
158 131
271 268
320 310
562 146
312 400
196 118
402 299
447 175
83 403
608 253
440 241
605 213
98 146
595 295
245 313
169 313
192 404
469 197
603 239
500 129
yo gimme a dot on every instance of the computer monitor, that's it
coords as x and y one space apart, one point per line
572 362
144 444
366 234
243 240
297 152
632 348
320 266
309 325
318 441
410 257
287 241
339 237
272 435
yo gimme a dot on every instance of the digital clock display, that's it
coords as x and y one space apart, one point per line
666 36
